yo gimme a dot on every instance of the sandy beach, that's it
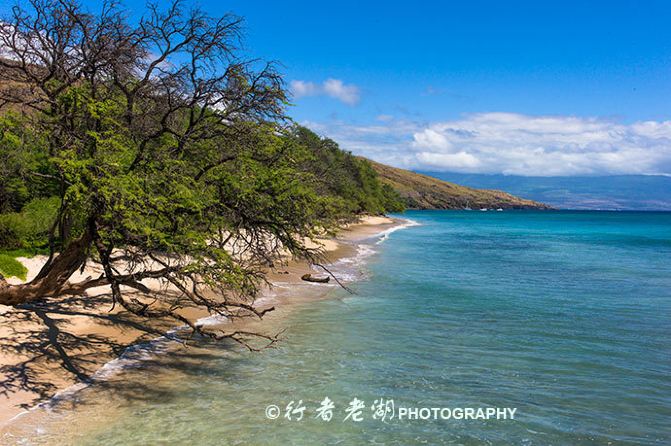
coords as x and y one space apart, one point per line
64 343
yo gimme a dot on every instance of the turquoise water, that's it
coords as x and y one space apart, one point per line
565 316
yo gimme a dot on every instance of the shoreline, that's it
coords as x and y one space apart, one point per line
56 376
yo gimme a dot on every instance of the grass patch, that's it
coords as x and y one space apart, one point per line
25 252
10 267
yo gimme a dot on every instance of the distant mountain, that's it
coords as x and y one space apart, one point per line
424 192
619 192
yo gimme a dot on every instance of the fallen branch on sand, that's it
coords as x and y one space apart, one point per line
309 278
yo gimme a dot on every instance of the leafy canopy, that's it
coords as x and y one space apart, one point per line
156 151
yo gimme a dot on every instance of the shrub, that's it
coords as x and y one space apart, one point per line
30 227
9 267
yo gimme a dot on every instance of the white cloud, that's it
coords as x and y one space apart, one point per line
431 138
349 94
544 145
335 88
514 144
302 88
384 118
458 161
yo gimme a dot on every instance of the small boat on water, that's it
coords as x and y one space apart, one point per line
484 210
499 210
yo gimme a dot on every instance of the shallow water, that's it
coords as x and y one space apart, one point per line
565 316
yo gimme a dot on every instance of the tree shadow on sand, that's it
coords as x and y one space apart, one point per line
46 350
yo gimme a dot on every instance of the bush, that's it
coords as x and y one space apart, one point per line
10 237
30 227
9 267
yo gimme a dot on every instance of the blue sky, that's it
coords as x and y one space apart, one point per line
527 87
514 87
437 59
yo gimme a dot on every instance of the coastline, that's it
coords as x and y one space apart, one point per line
106 336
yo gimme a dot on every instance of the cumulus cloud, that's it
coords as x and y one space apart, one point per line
349 94
515 144
302 88
335 88
543 145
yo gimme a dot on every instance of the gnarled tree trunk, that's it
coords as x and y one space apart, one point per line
50 281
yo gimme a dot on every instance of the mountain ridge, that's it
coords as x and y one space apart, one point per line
421 191
603 192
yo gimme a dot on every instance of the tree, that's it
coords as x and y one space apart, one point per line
343 175
165 150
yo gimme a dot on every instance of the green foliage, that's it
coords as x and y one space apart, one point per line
167 160
23 161
29 229
156 151
343 175
298 181
25 252
10 267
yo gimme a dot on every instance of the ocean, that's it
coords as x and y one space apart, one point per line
563 316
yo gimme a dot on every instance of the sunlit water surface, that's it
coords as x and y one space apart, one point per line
565 316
